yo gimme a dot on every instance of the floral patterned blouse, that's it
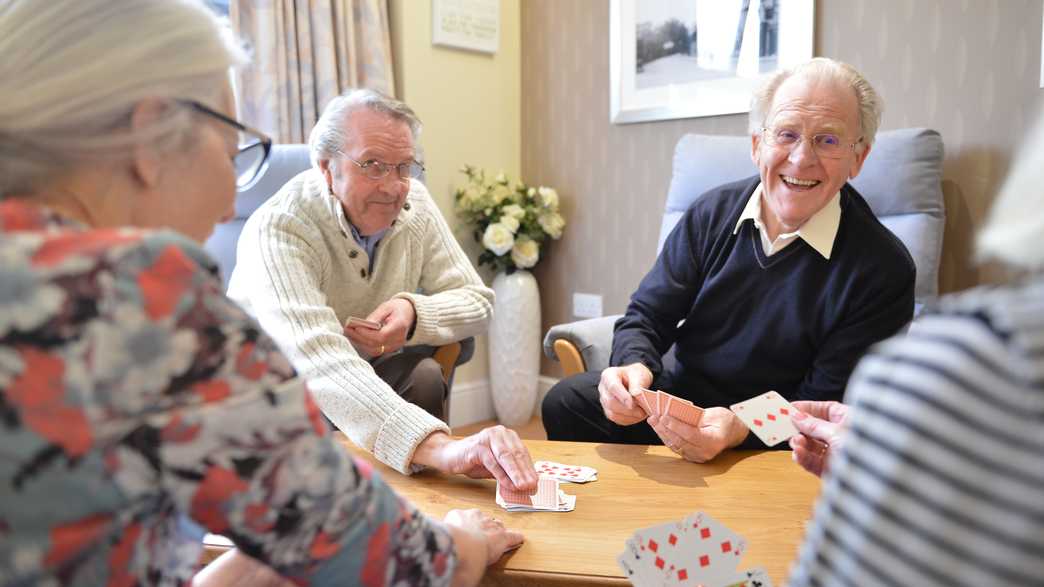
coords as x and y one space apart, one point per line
136 399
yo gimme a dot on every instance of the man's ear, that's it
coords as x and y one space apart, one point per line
327 171
146 162
755 141
857 164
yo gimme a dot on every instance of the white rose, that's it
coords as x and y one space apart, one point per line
501 193
552 223
548 196
498 239
514 211
501 178
525 253
510 222
531 192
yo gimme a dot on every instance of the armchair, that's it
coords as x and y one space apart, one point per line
287 161
900 180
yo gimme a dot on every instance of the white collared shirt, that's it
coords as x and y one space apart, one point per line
819 231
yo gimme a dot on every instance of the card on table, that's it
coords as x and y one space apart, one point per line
547 497
767 416
569 473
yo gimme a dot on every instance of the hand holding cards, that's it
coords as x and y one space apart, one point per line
696 551
767 416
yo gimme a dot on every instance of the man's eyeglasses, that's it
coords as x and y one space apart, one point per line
825 145
377 170
254 147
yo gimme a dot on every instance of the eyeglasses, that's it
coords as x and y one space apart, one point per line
254 147
825 145
377 170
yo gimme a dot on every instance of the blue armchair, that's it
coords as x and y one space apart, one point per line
287 161
901 181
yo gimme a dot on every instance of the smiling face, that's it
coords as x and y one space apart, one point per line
371 204
796 181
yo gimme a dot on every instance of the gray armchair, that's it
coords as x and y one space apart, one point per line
287 161
900 180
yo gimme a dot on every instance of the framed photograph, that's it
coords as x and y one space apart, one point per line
685 59
466 24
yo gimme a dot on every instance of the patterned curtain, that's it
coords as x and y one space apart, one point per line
305 52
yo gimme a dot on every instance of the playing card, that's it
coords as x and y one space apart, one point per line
684 410
363 322
657 545
756 577
707 552
767 416
569 473
547 497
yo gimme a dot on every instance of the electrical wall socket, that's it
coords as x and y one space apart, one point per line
587 305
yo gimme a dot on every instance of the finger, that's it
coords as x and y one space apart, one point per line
613 388
512 539
817 409
814 427
488 460
513 458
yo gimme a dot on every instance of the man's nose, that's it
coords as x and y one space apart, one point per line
804 152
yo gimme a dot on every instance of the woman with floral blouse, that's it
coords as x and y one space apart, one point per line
138 405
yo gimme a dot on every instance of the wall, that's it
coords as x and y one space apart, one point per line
969 69
470 105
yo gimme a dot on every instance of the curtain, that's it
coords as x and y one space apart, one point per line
304 53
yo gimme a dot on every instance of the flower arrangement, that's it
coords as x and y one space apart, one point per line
511 220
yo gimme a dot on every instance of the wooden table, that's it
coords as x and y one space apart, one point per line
763 496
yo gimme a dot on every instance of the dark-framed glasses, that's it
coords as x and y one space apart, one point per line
827 145
254 147
377 170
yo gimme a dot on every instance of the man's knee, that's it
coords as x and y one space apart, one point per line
570 400
427 387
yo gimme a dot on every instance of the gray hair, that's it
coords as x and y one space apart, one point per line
329 136
1014 226
825 69
73 71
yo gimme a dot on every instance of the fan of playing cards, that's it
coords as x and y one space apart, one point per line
699 550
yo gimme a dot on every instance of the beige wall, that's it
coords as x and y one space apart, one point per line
470 105
968 68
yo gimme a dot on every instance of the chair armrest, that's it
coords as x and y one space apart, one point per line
592 340
447 355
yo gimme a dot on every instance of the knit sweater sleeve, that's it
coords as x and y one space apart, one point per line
278 276
453 302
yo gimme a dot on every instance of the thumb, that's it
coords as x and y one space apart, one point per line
814 427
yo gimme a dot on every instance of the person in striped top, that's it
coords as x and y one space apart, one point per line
934 466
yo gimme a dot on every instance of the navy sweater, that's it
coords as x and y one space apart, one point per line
793 322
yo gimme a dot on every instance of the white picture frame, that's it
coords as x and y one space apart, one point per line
662 68
473 25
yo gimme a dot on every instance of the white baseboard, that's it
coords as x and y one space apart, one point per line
472 401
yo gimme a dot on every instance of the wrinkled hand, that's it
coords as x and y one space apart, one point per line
822 427
495 452
718 429
497 538
615 391
396 317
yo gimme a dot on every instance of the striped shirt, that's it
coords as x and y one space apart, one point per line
941 478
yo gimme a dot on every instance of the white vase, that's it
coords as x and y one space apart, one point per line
514 346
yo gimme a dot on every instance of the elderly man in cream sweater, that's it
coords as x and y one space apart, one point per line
358 236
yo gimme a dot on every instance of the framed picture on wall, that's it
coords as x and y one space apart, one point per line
685 59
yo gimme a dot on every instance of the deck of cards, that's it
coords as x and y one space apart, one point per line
548 497
657 403
698 551
569 473
767 416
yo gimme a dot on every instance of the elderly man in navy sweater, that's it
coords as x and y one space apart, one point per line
776 282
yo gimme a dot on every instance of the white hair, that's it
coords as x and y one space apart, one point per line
822 69
73 71
1014 226
329 135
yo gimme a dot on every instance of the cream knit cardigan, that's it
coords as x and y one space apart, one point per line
301 274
